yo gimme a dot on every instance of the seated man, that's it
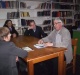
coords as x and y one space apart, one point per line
59 37
34 30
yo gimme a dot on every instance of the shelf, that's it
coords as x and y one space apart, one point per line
44 25
47 32
62 10
33 9
77 19
64 17
25 9
67 3
46 17
68 24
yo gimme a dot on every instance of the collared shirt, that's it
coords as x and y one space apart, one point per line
10 28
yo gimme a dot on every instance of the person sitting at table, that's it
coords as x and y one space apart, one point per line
59 37
9 53
34 30
8 24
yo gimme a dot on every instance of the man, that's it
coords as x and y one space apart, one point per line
34 30
9 53
59 37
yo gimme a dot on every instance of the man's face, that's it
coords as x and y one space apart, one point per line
57 25
32 25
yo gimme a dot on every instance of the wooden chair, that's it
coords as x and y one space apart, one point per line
73 62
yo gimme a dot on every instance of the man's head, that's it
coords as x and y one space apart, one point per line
32 24
58 23
5 34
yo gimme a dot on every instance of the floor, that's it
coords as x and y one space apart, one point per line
69 72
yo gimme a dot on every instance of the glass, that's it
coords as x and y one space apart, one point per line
57 23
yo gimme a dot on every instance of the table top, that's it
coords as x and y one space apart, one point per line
24 41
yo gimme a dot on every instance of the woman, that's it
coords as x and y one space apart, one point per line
8 23
9 53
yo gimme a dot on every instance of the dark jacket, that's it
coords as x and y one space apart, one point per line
8 53
39 33
12 30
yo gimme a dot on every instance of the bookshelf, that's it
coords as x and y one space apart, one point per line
8 10
77 13
41 11
63 10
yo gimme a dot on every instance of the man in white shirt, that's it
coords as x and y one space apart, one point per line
59 37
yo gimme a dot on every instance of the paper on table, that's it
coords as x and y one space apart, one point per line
39 45
28 49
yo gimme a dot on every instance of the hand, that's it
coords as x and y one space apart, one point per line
17 59
30 27
14 35
40 42
48 44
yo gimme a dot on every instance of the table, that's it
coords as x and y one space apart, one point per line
39 55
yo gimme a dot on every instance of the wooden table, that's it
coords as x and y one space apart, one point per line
39 55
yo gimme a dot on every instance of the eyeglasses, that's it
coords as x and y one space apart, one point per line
57 23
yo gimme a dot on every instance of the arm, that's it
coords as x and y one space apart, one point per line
47 38
42 33
17 51
65 40
27 32
14 31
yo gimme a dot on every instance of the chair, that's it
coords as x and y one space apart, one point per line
73 62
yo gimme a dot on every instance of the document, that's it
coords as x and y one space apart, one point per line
28 49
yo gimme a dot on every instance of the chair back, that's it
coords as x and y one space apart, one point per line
74 44
72 64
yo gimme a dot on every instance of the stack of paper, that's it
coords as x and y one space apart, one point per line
39 45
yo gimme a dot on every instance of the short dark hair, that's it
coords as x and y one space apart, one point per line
31 21
4 31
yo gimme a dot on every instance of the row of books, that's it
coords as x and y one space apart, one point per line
60 6
43 13
9 4
47 28
12 15
67 21
61 14
77 23
25 22
44 6
77 1
77 7
23 5
77 16
46 22
25 14
62 0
